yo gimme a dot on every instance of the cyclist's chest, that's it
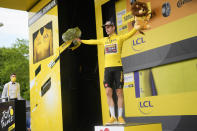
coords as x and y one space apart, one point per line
112 45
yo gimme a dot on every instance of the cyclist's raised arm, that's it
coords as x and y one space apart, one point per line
128 35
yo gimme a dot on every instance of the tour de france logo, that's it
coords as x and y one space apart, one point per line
7 117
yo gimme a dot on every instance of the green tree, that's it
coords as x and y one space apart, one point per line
16 60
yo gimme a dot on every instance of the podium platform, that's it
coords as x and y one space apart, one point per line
131 127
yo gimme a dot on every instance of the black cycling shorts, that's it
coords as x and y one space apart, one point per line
113 74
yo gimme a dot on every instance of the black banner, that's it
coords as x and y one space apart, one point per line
178 51
7 116
43 11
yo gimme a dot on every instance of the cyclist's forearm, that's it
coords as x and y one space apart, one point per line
91 42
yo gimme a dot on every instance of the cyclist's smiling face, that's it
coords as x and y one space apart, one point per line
109 29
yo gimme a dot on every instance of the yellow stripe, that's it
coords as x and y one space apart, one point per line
64 46
16 90
11 127
121 76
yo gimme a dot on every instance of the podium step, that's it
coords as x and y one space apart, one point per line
131 127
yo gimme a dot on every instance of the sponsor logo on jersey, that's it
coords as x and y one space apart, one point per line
111 48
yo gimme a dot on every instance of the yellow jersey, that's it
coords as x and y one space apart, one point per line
113 47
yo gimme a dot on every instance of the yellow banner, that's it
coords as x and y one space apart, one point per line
163 35
45 87
175 91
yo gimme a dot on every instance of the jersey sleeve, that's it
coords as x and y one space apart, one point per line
92 42
128 35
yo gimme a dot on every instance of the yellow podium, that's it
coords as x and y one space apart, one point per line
131 127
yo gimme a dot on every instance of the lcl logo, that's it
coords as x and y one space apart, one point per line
106 129
145 107
145 104
135 44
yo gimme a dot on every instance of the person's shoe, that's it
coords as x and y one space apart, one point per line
111 121
121 120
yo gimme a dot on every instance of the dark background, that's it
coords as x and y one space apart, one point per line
79 69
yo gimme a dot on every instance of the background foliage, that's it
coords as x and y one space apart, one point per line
16 60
